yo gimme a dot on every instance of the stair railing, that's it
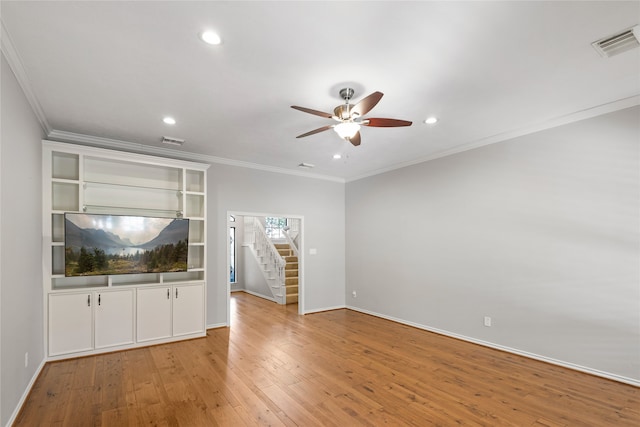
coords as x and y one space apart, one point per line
291 242
271 257
291 232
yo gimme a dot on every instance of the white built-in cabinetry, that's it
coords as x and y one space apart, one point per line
169 311
71 316
92 314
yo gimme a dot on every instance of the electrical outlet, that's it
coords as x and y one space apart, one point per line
355 295
487 321
26 359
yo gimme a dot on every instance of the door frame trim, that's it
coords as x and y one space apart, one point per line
228 224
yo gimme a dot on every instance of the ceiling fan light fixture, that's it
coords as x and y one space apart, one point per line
347 130
350 117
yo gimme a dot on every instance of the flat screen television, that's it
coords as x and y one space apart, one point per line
98 244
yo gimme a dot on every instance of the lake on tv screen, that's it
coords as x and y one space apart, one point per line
108 244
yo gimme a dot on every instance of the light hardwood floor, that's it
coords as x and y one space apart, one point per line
336 368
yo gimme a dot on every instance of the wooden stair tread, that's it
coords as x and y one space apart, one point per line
291 272
291 298
291 290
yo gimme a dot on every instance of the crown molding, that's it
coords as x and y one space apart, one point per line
587 113
95 141
15 63
115 144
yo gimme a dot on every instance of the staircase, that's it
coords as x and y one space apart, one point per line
290 272
277 258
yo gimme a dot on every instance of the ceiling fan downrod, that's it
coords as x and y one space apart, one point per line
344 111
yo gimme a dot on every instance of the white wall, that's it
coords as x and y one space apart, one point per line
20 230
254 280
320 202
541 233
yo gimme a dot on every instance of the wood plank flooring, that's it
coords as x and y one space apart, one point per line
337 368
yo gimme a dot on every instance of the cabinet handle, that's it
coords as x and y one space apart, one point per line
89 300
99 295
176 293
168 293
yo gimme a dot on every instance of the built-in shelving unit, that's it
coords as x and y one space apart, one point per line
79 309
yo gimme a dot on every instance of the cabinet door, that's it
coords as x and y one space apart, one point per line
70 323
188 309
113 318
153 313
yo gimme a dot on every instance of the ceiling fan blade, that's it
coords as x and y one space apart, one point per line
355 139
322 129
364 106
310 111
385 123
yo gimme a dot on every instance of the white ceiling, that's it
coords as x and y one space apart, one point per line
488 70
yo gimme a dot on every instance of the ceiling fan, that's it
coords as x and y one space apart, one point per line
350 117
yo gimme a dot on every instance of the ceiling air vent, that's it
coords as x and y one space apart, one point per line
172 141
618 43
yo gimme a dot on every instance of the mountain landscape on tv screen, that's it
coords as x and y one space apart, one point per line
101 250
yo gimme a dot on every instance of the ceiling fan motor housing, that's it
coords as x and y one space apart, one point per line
342 111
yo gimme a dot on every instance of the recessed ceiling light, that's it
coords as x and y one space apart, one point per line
169 120
431 120
337 156
210 37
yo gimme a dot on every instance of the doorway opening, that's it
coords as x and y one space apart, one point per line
265 257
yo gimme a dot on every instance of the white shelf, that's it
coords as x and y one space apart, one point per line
65 180
120 186
128 210
131 197
65 165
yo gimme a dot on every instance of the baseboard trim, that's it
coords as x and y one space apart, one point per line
24 396
562 363
216 326
255 294
319 310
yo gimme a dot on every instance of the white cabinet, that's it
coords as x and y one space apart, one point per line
153 313
80 322
188 309
70 323
114 316
170 311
